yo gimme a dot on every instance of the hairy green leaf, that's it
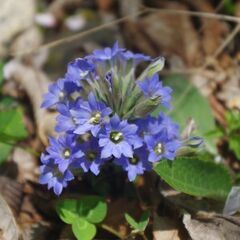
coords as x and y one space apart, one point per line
195 177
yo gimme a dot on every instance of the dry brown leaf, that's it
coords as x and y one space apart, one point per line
211 228
8 227
164 228
168 32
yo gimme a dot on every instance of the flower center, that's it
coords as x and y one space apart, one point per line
61 95
134 160
116 137
159 148
66 153
91 156
74 120
83 74
95 118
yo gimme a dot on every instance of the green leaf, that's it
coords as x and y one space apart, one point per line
131 221
195 177
233 121
1 73
91 208
66 210
143 222
11 125
5 150
234 145
188 103
83 230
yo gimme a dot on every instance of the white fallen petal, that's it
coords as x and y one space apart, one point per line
45 20
75 23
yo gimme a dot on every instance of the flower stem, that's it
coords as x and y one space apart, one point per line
143 235
111 230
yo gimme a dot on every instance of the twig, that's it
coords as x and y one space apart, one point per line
119 20
77 36
196 14
229 38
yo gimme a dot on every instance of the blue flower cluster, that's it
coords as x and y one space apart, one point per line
105 115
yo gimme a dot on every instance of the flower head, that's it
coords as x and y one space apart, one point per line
105 115
119 138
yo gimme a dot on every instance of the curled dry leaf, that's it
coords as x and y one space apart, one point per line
167 33
8 227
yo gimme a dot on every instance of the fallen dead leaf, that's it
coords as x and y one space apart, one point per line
211 228
165 228
8 227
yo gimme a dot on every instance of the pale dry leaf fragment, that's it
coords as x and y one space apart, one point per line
27 164
211 228
232 204
8 227
15 16
35 83
164 228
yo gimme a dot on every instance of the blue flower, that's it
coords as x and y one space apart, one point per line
106 53
65 120
152 88
162 124
160 147
78 70
136 57
90 115
58 93
91 159
51 175
65 151
135 165
119 138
